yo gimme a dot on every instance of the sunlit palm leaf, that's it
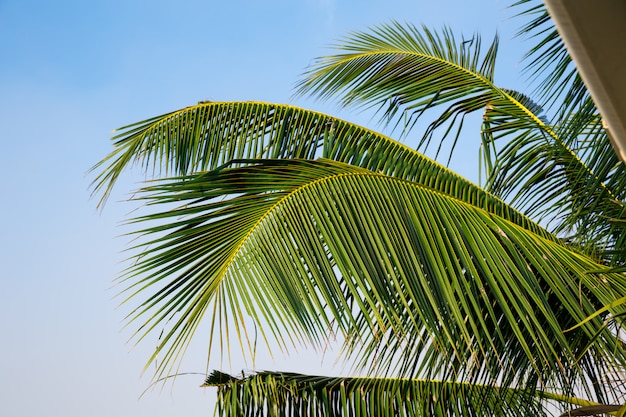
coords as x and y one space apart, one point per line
407 71
307 247
597 214
289 394
550 185
404 70
203 137
207 135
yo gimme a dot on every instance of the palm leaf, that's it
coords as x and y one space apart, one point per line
559 83
421 272
593 218
403 70
291 394
551 186
306 248
208 135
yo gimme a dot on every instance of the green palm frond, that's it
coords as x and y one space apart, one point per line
304 248
291 394
535 164
305 226
404 71
586 209
549 176
208 135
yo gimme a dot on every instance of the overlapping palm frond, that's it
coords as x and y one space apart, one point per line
417 281
404 72
551 170
208 135
309 226
549 64
289 394
586 207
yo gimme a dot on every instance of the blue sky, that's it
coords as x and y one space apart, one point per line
70 72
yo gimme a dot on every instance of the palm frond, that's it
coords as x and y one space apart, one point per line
289 394
566 175
208 135
306 248
591 218
538 168
309 226
404 71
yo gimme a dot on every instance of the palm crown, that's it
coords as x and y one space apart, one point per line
454 299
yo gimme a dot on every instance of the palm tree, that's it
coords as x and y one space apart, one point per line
451 299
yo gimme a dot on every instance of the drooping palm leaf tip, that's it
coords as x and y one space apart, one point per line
310 226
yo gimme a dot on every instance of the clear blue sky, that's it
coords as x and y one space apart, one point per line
70 72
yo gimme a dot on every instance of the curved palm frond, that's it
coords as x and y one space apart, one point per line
291 394
549 184
307 247
288 394
423 273
206 136
402 70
